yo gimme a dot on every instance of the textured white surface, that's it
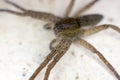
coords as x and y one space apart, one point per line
24 43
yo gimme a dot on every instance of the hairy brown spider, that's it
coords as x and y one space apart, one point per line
67 31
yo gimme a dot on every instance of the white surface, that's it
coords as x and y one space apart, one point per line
24 43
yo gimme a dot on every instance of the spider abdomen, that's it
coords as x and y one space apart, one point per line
89 20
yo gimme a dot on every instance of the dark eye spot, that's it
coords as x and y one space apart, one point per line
59 26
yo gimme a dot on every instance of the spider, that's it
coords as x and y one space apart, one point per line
67 30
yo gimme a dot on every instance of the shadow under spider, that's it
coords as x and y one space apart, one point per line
67 30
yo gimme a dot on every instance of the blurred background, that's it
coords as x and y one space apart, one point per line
24 43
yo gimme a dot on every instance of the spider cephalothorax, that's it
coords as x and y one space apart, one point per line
67 27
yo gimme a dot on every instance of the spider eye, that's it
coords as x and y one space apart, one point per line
59 26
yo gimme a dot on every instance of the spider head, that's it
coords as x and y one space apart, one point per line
66 27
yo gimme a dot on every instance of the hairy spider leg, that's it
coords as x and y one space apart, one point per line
69 8
79 12
94 50
65 46
87 32
15 5
53 43
46 61
34 14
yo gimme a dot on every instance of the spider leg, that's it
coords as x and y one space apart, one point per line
85 8
60 53
69 8
46 61
86 32
94 50
34 14
15 5
54 43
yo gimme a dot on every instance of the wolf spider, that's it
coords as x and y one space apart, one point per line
67 30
